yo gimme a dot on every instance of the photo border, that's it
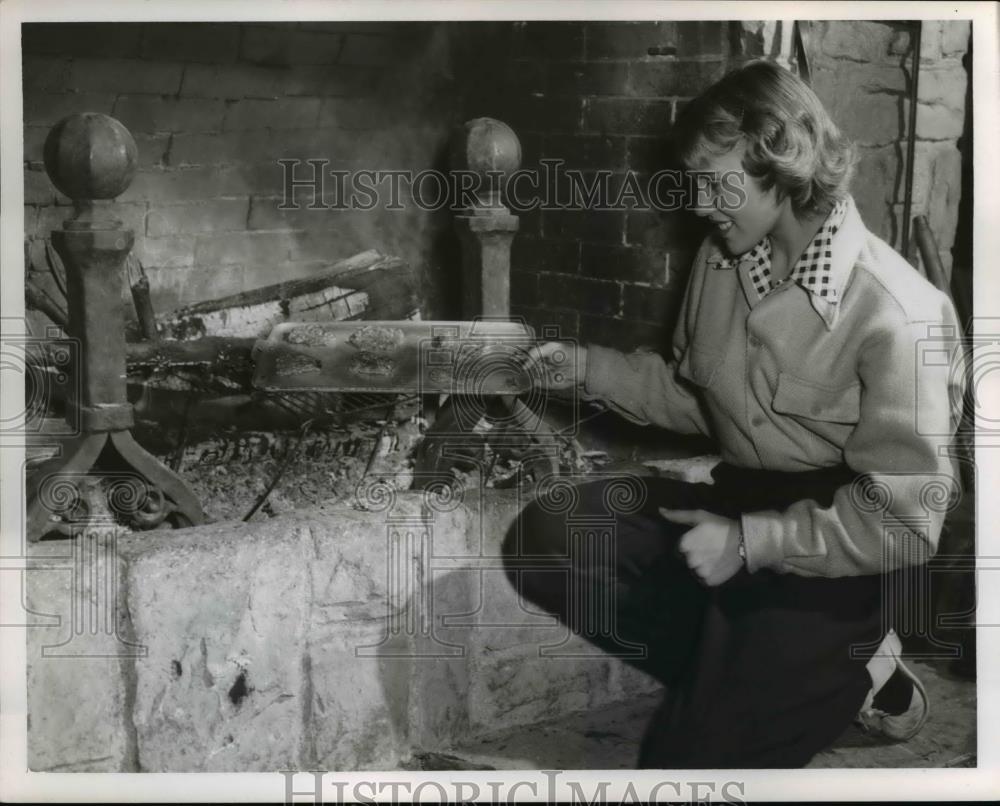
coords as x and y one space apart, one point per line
854 784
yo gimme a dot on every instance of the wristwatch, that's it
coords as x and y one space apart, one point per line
742 546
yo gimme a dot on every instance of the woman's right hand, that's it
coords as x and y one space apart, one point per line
556 364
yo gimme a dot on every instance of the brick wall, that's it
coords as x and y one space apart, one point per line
592 94
213 107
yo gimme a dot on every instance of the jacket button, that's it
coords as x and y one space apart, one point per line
754 342
757 421
815 408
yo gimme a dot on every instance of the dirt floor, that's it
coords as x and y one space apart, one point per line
609 738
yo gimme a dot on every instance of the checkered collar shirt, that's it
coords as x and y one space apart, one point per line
814 270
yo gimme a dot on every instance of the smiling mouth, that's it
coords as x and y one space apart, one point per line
722 226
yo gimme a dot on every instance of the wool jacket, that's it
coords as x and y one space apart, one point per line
872 378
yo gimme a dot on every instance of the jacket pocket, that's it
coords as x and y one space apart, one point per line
699 366
812 401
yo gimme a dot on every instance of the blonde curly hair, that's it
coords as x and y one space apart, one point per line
791 142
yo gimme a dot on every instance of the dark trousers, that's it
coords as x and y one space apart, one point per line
759 671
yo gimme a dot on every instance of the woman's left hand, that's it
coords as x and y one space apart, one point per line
710 546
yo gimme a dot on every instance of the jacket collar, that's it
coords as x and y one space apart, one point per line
845 249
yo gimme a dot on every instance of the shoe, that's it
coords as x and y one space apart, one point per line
883 665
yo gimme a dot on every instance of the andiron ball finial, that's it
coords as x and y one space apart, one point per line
487 146
90 157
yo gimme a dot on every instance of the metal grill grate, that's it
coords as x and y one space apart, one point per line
334 406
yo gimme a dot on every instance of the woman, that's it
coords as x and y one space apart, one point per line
760 599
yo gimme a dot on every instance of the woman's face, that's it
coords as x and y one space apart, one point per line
741 211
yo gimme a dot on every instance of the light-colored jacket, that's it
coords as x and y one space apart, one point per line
792 382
